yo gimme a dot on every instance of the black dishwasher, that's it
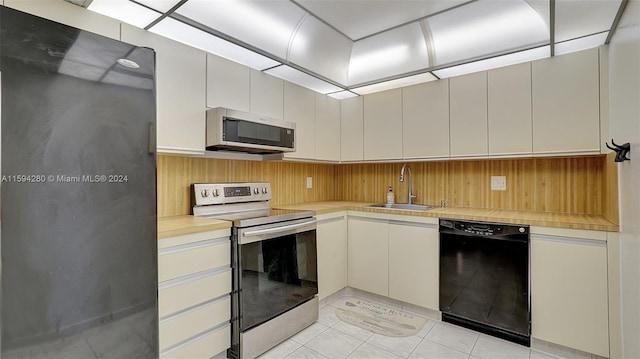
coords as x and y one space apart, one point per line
484 278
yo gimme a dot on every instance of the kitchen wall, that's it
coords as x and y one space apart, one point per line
585 185
176 173
573 185
624 126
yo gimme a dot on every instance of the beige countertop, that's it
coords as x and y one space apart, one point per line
179 225
533 218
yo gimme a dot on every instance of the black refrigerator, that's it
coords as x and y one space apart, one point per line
78 193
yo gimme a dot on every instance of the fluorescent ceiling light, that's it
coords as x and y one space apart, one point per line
388 85
298 77
342 94
582 43
160 5
483 28
125 11
381 58
189 35
267 25
495 62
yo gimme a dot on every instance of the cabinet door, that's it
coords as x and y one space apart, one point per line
227 84
327 128
332 255
299 107
566 104
468 111
69 14
383 125
266 95
351 129
180 91
509 106
368 255
569 293
425 120
414 264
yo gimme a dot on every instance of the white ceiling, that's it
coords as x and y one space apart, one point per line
369 45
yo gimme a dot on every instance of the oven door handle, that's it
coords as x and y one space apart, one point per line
277 229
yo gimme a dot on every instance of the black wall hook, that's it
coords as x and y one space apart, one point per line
622 151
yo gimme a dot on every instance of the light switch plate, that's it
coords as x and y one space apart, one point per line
309 182
498 183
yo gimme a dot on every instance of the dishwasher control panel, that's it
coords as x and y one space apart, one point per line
482 228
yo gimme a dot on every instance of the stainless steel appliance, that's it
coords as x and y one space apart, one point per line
245 132
79 247
484 278
274 260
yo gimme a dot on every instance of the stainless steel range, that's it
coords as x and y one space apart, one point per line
274 264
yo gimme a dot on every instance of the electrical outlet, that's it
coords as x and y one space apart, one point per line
498 183
309 182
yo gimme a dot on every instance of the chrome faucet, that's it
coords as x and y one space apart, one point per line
410 195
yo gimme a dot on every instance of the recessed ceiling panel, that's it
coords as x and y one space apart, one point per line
391 53
580 18
266 24
298 77
191 36
582 43
160 5
484 28
322 50
392 84
358 19
125 11
495 62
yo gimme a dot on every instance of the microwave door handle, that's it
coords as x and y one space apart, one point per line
277 229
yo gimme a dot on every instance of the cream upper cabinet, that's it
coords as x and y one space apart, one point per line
368 255
266 95
566 104
351 129
332 253
425 120
383 125
468 115
414 257
569 298
180 91
299 107
69 14
228 84
327 128
509 109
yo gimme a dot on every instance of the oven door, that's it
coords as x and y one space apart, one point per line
277 269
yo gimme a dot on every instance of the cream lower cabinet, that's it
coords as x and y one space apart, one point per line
194 306
332 253
395 256
368 254
414 257
569 293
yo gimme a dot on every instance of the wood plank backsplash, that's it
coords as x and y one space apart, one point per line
288 180
584 185
570 185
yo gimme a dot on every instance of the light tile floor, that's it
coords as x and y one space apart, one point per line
331 338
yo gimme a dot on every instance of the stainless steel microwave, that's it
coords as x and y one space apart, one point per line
245 132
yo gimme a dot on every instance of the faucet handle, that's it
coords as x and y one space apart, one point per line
443 203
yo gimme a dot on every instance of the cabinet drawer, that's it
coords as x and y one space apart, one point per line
182 295
181 327
204 346
175 263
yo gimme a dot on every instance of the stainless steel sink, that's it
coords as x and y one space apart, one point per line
402 206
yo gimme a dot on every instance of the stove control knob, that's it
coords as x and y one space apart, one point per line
256 190
216 192
521 229
204 193
264 190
